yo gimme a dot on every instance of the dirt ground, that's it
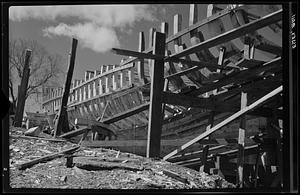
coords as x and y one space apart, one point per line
98 168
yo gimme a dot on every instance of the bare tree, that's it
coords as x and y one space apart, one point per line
44 67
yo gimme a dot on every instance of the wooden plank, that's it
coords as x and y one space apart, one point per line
124 123
126 114
135 96
241 144
88 122
46 158
63 115
22 90
232 34
76 132
151 37
123 109
155 112
226 121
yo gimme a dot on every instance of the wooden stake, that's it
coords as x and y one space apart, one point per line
157 84
62 122
22 91
241 143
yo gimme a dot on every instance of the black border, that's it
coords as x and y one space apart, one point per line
290 97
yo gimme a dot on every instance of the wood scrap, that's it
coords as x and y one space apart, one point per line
89 163
39 138
175 176
46 158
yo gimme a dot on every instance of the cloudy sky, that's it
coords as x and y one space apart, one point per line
97 27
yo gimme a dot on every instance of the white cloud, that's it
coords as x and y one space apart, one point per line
107 15
99 39
96 26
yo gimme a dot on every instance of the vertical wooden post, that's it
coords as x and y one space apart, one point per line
248 48
155 112
122 78
241 143
221 58
23 90
115 80
140 63
193 15
106 83
62 122
100 86
80 94
176 28
206 147
165 30
130 76
150 61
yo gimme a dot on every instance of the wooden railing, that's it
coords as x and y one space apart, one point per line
97 83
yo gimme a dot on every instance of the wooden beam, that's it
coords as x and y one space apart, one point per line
22 90
125 114
190 101
276 50
88 122
76 132
46 158
62 122
197 63
139 55
155 110
241 144
226 121
232 34
184 72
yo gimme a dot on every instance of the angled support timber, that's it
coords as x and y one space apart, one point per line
22 91
155 111
125 114
139 55
62 122
226 121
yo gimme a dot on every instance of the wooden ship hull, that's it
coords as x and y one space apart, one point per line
250 59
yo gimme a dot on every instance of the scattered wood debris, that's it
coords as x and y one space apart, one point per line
97 168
